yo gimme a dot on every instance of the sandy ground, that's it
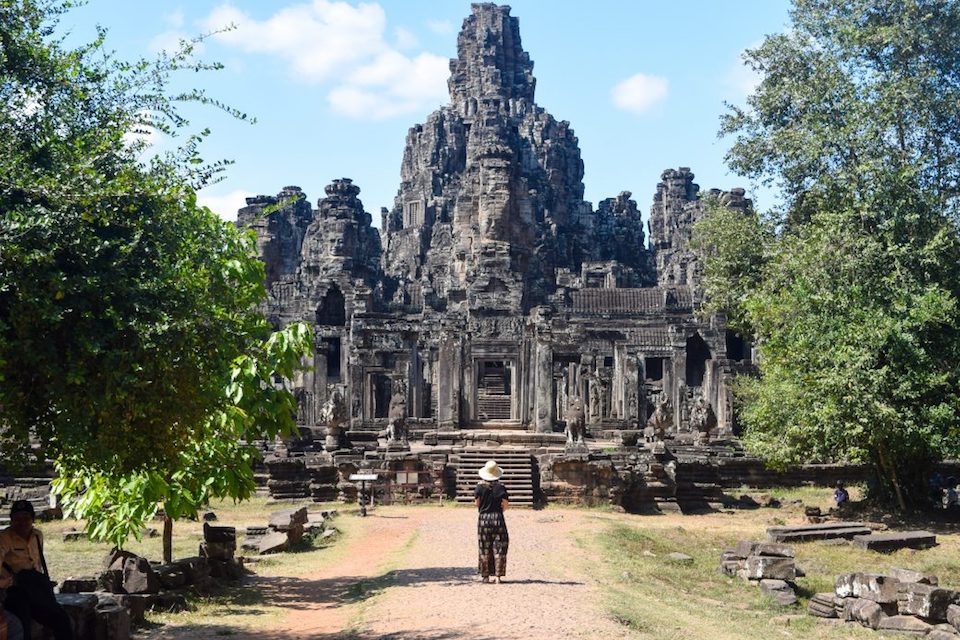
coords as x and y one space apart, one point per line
411 574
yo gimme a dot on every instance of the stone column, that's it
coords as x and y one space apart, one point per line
544 386
449 365
631 389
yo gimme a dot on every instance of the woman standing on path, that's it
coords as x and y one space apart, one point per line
491 499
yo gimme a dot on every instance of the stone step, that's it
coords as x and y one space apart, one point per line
825 531
893 541
518 474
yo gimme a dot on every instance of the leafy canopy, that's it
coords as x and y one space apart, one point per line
850 291
130 341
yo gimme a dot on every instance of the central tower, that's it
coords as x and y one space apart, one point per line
491 194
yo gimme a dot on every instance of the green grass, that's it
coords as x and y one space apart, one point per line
230 607
658 598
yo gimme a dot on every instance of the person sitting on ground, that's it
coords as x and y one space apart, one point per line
840 496
23 571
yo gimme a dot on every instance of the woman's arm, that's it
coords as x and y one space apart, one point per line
476 502
504 504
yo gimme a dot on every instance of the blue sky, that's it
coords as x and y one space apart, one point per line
335 85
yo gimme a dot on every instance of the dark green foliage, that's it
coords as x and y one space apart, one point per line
854 304
130 341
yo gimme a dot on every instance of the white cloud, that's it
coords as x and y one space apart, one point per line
169 40
638 93
317 39
333 42
225 205
404 38
440 27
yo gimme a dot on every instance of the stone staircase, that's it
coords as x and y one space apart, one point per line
518 473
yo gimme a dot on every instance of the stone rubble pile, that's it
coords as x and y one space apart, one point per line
103 607
287 527
901 601
772 566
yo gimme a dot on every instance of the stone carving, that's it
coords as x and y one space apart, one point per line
397 417
703 420
660 422
576 423
333 414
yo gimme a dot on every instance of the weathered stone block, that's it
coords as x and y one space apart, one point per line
276 542
196 570
139 576
759 567
905 624
79 585
80 608
111 581
773 549
112 622
943 632
869 613
288 518
924 600
953 616
171 576
908 575
870 586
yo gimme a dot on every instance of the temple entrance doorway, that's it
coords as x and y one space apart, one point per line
495 381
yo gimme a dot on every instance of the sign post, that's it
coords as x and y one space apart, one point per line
363 478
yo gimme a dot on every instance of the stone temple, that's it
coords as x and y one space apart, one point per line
495 310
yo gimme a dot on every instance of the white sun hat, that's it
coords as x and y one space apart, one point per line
491 471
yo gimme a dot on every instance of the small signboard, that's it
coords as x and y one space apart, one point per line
357 477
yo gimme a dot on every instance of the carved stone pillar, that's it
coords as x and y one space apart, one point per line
449 366
544 387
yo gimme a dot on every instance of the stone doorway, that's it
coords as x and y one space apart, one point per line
495 381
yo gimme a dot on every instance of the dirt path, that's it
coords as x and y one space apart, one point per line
410 574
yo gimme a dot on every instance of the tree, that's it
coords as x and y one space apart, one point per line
131 345
854 304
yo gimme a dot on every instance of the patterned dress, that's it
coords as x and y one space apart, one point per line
492 533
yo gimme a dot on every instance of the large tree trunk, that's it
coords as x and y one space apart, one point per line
891 474
167 539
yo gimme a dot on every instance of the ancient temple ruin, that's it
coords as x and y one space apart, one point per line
494 304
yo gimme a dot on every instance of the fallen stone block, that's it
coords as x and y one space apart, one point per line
780 591
113 622
288 518
197 571
870 586
821 605
110 581
276 542
169 602
869 613
953 616
823 531
943 632
892 541
171 576
926 601
905 624
907 575
80 608
83 584
759 567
